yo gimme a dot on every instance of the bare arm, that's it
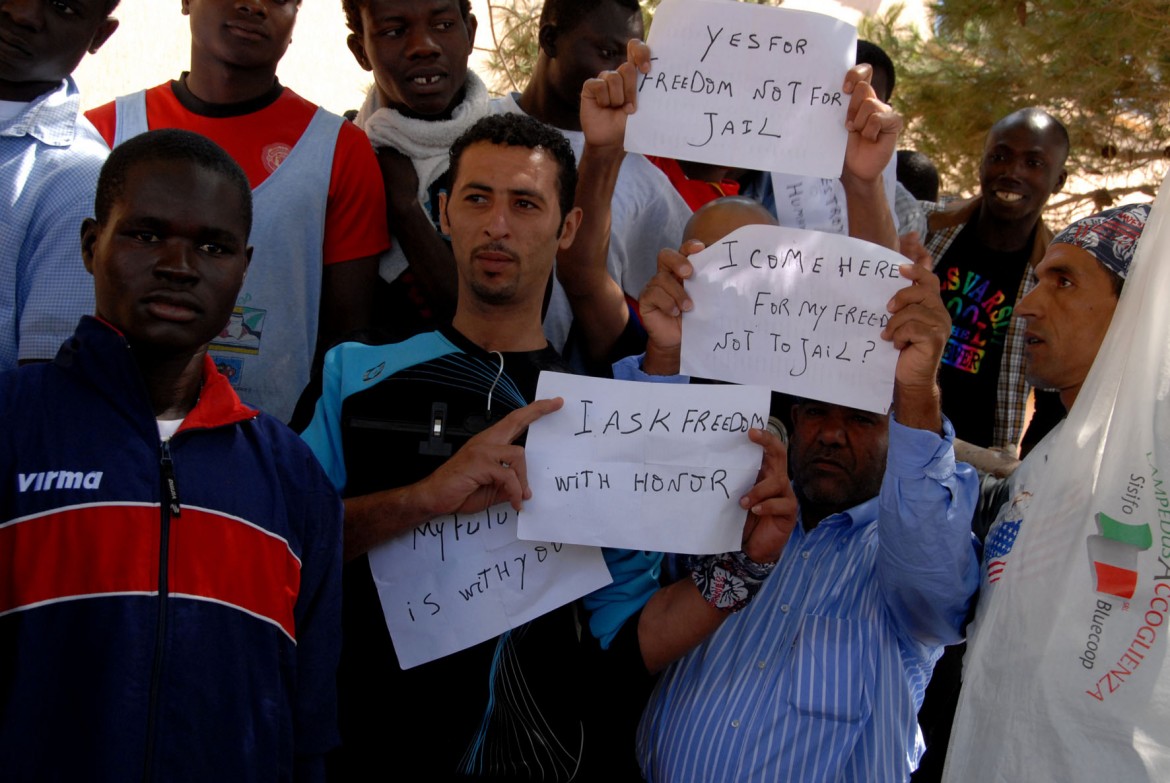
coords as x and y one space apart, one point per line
488 469
873 135
677 618
598 302
429 256
347 300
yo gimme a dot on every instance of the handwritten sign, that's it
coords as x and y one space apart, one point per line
745 85
462 579
798 311
651 466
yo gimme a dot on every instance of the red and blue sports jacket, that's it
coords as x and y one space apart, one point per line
167 611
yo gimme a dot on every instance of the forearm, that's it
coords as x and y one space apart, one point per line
427 254
918 407
347 299
869 211
998 463
598 303
674 621
380 516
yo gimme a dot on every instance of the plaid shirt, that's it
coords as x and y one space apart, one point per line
944 222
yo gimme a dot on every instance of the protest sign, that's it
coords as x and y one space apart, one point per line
797 311
651 466
745 85
461 579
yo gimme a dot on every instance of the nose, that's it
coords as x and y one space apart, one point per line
421 43
832 430
497 223
1031 304
176 262
252 7
26 13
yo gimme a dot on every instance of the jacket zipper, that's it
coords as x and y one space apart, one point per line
168 508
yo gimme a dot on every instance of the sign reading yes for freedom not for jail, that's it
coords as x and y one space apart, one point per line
632 465
798 311
745 85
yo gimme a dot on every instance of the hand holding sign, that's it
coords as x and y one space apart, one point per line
487 470
873 127
745 85
771 503
661 305
611 96
919 326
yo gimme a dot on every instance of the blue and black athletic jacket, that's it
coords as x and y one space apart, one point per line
168 611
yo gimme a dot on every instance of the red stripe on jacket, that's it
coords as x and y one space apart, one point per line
102 549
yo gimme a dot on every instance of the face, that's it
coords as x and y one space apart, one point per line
169 261
596 44
1067 313
241 33
417 50
42 42
1023 164
504 221
714 221
837 455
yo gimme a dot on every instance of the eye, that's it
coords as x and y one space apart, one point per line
608 54
144 236
524 203
214 249
444 25
1035 163
63 7
392 32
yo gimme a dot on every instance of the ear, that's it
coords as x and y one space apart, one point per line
186 8
569 230
547 38
102 34
89 237
358 49
472 25
444 223
247 259
1060 180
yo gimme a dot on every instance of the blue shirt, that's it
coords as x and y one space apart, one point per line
821 676
50 157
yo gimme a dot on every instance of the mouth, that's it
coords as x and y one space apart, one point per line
14 44
169 307
426 81
247 30
493 260
1008 197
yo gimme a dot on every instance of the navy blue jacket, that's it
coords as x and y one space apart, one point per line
167 611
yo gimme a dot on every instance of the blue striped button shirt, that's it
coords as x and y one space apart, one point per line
821 676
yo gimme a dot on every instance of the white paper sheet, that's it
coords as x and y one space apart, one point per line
797 311
652 466
459 580
745 85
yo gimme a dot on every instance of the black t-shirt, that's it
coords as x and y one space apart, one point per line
979 288
522 705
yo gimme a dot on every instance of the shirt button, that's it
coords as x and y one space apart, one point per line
784 608
761 665
804 555
735 724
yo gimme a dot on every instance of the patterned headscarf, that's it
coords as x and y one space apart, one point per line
1110 236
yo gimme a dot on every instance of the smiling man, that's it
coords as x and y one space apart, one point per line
170 590
49 162
983 249
320 210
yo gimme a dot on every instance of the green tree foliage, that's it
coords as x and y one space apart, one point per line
1102 66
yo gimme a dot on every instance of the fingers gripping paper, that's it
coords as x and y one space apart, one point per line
746 85
1066 673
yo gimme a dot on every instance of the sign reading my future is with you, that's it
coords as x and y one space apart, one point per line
745 85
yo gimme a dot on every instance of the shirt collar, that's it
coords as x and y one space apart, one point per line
51 118
860 515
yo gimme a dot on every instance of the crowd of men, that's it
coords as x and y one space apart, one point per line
186 591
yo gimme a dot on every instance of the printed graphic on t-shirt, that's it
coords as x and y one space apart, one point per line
980 313
243 331
273 155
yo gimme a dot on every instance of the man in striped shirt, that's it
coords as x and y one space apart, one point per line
819 678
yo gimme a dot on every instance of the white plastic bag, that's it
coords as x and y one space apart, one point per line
1066 674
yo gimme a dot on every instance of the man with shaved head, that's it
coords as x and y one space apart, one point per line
982 250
